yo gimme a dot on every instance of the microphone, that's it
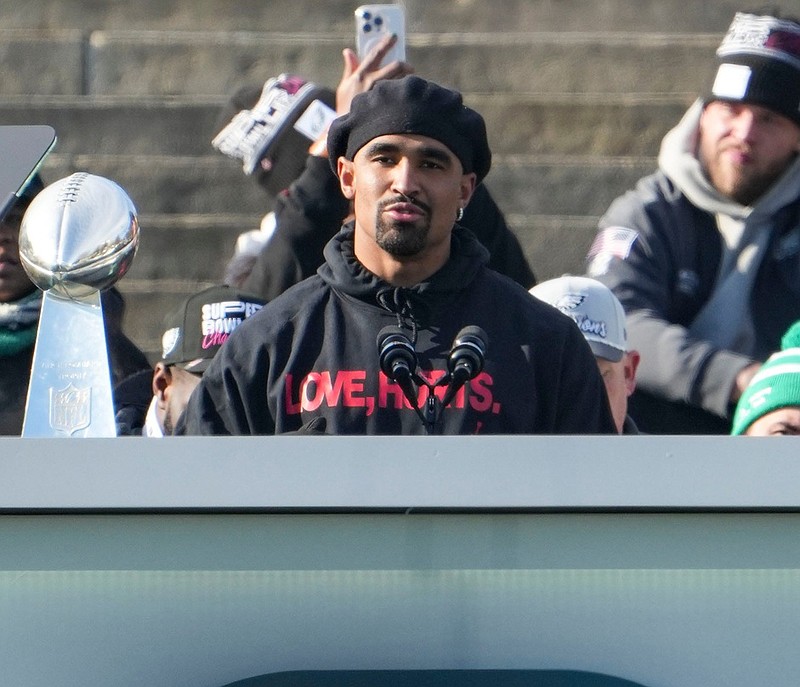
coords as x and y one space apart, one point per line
398 360
466 360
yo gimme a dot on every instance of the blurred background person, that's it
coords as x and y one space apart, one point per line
601 319
704 255
770 405
150 402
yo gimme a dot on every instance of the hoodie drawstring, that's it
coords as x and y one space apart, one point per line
396 300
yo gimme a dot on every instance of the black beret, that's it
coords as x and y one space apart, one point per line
412 105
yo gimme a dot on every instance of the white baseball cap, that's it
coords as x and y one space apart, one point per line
593 307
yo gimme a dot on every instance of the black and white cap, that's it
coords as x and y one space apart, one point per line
270 128
203 322
758 62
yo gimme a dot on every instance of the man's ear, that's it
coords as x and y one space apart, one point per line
162 379
468 184
346 172
631 364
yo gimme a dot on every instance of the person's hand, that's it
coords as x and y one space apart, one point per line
743 380
314 427
359 77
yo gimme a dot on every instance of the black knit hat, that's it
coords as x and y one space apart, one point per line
758 62
198 328
412 105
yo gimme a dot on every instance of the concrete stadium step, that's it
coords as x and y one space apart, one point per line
337 15
195 248
554 244
563 185
187 248
171 185
153 63
45 62
521 184
122 126
186 63
577 124
517 123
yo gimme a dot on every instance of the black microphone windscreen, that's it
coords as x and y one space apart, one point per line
469 349
396 353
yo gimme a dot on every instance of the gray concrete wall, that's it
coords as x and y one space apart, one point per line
197 561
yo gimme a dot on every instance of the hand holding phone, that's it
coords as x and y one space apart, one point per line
373 23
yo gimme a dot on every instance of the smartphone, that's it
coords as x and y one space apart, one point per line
373 22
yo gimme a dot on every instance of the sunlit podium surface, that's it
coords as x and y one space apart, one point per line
669 561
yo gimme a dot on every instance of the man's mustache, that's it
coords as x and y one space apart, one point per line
405 199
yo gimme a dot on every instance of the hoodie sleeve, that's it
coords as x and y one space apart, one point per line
582 406
231 398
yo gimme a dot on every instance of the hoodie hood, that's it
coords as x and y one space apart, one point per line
678 160
343 272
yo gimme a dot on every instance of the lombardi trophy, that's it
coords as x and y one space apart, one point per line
78 237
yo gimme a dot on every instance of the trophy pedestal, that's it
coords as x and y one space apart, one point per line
70 388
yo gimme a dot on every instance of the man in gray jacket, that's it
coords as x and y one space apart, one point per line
704 255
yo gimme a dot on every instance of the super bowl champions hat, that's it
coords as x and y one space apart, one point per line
204 321
270 128
594 308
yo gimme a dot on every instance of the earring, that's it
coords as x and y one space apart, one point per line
460 214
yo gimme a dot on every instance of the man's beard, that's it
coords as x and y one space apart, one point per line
401 239
742 186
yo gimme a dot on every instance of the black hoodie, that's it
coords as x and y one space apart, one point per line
312 352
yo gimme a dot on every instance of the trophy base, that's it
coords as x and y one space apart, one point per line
70 388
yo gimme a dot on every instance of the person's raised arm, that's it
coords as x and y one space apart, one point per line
359 77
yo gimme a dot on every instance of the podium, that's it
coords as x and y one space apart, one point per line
666 561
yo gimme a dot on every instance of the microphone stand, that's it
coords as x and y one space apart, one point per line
431 412
434 408
398 361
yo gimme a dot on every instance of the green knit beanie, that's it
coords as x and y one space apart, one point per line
776 385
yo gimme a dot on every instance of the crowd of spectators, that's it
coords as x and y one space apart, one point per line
395 296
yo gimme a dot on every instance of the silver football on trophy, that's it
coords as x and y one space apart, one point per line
79 234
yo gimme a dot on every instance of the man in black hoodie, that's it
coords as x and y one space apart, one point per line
375 342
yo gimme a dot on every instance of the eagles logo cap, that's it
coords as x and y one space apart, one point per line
593 307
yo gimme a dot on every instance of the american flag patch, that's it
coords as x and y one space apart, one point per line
613 242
